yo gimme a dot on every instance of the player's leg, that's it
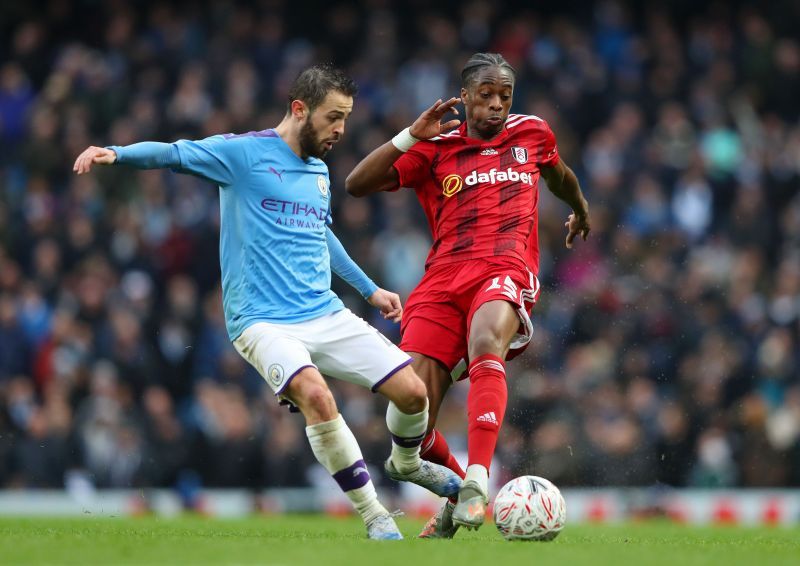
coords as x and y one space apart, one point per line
350 349
337 450
437 380
434 447
434 333
408 425
285 363
493 326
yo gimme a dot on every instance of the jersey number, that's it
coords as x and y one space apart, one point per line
509 287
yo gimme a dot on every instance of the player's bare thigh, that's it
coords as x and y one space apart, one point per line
492 327
406 390
312 396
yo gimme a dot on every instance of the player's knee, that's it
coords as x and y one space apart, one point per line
486 342
414 398
317 401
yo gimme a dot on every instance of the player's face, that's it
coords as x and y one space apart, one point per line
487 101
324 126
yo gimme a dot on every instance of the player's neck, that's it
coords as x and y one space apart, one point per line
474 134
290 136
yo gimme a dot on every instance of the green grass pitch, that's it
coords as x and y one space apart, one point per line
298 540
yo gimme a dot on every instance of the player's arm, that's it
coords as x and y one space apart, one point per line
376 171
144 155
344 266
215 158
563 183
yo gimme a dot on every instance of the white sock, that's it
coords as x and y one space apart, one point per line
408 431
337 450
478 474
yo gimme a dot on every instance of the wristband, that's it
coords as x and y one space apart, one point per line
404 140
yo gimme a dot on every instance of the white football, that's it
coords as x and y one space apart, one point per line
529 508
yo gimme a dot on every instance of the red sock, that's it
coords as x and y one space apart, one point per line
435 449
486 405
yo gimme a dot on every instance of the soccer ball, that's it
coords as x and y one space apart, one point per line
529 508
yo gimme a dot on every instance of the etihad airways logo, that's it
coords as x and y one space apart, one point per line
454 183
299 214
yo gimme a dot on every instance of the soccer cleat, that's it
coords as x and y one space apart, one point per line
383 527
441 525
442 481
470 511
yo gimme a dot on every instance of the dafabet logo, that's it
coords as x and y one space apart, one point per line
452 184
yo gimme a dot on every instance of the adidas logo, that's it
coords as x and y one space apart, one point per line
488 418
489 151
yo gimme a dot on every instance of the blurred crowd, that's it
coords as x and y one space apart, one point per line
666 347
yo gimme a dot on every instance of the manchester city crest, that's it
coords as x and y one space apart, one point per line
275 374
322 183
520 154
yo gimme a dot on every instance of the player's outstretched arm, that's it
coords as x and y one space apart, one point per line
563 183
142 155
217 158
375 173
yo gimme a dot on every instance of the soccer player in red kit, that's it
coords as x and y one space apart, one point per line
478 185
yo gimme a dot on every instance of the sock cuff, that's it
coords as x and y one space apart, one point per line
407 427
487 361
327 426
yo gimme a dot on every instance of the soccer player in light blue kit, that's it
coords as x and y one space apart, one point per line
276 255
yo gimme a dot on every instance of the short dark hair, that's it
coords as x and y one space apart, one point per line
481 60
313 85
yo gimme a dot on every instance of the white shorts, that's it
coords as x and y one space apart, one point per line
340 345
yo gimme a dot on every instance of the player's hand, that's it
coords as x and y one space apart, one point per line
92 155
577 224
388 303
429 125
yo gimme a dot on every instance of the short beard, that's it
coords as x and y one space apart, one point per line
309 143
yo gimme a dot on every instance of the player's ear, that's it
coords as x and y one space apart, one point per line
299 109
464 93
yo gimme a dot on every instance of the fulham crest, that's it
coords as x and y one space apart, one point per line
520 154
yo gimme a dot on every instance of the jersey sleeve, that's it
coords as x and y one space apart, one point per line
344 266
413 167
329 213
548 157
219 159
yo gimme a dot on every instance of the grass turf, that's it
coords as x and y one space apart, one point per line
299 540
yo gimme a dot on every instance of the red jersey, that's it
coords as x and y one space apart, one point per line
481 197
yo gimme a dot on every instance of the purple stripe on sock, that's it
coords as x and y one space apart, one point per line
408 442
390 374
353 476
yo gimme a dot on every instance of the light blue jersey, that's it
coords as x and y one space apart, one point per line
274 240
